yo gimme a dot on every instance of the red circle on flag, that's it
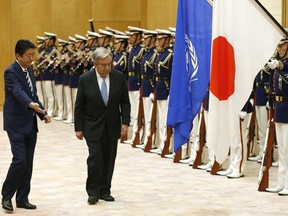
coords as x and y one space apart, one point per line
222 69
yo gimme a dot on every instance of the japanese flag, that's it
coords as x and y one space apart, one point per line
244 39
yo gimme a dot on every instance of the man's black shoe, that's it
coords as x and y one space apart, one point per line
26 205
7 204
92 200
107 197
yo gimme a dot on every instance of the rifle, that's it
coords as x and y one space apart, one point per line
200 139
91 25
167 141
215 168
251 133
152 123
263 178
140 116
178 155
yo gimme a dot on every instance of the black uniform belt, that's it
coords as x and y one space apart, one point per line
281 99
258 84
132 74
146 77
162 79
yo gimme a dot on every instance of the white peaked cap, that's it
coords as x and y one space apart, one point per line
80 37
93 34
104 32
49 34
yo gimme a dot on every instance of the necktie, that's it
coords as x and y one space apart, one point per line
26 73
104 91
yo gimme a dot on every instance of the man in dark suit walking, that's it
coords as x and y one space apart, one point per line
20 109
102 115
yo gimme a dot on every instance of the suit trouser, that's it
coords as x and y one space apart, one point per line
68 103
262 123
40 91
147 109
238 147
59 99
74 95
134 100
48 96
100 162
282 137
162 106
20 171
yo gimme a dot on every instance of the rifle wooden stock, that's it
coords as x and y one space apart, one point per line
200 139
148 145
178 156
123 138
167 141
251 133
215 168
263 178
140 116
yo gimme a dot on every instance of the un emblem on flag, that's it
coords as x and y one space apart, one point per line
192 65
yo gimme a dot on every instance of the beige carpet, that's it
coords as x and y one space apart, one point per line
144 184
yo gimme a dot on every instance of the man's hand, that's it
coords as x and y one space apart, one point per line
79 135
36 107
47 119
124 130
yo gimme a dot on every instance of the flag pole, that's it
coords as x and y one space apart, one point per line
210 2
272 18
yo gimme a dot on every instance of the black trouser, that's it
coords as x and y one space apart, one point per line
100 162
20 171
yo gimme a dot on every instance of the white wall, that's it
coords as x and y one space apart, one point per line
274 7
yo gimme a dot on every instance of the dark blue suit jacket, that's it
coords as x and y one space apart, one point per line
18 117
91 114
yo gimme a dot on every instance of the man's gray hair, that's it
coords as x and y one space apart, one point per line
100 53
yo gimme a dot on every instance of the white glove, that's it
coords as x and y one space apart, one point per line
273 64
151 96
252 101
242 114
268 105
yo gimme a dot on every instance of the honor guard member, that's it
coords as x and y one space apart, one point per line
47 73
261 91
211 153
120 59
85 61
173 30
92 40
147 77
76 71
114 32
238 146
195 135
280 87
40 40
58 79
163 69
91 44
134 76
105 39
65 66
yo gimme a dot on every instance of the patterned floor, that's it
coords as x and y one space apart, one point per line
144 184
